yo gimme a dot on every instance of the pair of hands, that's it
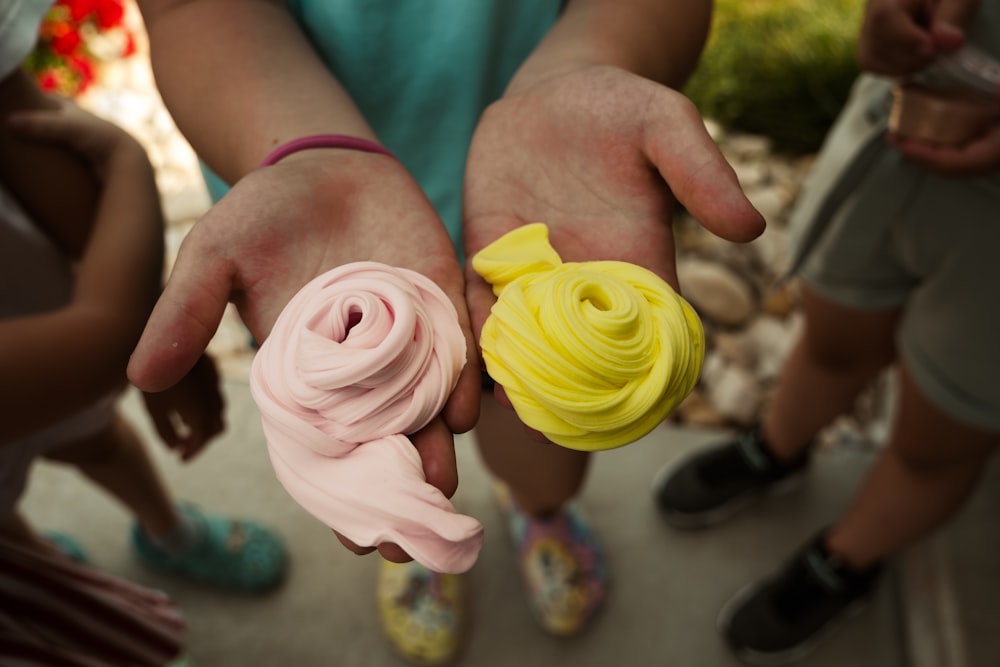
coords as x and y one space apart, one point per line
900 37
597 153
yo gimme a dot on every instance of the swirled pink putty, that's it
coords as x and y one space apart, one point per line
361 356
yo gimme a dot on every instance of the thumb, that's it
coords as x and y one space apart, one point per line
699 176
948 21
183 321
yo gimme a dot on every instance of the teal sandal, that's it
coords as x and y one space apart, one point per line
234 554
67 544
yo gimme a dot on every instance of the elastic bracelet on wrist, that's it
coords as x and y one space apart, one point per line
324 141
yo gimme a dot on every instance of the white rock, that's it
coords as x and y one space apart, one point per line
751 174
735 348
736 395
713 368
772 250
748 146
772 339
716 292
771 201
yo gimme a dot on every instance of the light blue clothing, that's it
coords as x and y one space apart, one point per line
19 21
422 71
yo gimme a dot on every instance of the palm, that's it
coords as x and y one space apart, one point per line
277 229
590 154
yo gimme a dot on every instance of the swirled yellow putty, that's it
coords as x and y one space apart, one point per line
592 354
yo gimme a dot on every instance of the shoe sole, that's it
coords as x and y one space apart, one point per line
720 514
789 655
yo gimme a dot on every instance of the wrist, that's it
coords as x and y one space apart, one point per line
531 75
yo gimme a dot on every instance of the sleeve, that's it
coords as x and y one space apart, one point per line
19 21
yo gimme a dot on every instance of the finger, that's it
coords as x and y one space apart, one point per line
896 40
979 157
183 321
436 446
394 553
948 23
500 395
351 546
192 443
480 299
165 428
461 412
391 552
693 166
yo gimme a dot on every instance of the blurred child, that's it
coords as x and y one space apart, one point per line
81 257
902 276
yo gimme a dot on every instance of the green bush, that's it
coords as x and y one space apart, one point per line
781 68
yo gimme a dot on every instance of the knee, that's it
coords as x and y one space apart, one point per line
107 445
937 464
837 354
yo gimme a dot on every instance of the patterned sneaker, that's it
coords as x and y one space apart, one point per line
561 564
237 555
712 485
422 612
782 618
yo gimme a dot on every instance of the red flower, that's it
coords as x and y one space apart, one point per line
83 68
109 13
79 10
66 43
48 80
62 61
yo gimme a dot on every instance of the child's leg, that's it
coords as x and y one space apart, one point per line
559 557
839 353
117 460
929 467
541 476
236 554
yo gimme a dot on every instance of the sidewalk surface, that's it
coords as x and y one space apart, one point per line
668 586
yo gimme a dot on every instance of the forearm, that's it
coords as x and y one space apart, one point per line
657 39
60 361
240 78
55 364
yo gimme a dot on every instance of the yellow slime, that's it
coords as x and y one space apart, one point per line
592 354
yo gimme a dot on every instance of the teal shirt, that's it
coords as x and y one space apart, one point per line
422 71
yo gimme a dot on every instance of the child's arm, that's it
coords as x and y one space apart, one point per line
66 218
656 39
57 362
201 52
281 226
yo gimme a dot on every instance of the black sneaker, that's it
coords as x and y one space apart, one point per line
711 486
781 619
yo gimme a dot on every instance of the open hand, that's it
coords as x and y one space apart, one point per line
278 228
599 155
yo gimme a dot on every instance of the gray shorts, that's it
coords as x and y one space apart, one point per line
874 231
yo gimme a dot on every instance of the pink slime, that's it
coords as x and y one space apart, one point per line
360 357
